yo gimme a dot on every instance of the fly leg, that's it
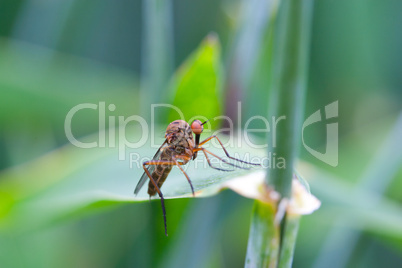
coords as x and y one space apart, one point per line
226 152
162 162
158 162
182 170
205 151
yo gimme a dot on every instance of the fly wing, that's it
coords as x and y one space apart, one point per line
150 168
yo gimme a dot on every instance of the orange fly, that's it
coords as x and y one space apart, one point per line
177 150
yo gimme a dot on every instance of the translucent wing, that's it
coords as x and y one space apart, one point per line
150 168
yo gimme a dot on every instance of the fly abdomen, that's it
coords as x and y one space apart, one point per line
159 175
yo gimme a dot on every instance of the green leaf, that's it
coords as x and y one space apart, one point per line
196 86
71 181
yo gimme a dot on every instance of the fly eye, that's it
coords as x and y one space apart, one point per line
197 127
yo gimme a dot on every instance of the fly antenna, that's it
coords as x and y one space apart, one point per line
206 121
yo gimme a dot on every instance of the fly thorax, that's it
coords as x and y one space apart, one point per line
179 150
179 141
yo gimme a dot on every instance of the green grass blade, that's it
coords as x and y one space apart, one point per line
291 40
263 242
157 56
289 241
291 35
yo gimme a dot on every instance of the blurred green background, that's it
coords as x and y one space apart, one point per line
57 54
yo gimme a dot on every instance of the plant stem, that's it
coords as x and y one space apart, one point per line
291 36
291 227
290 50
291 39
263 243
